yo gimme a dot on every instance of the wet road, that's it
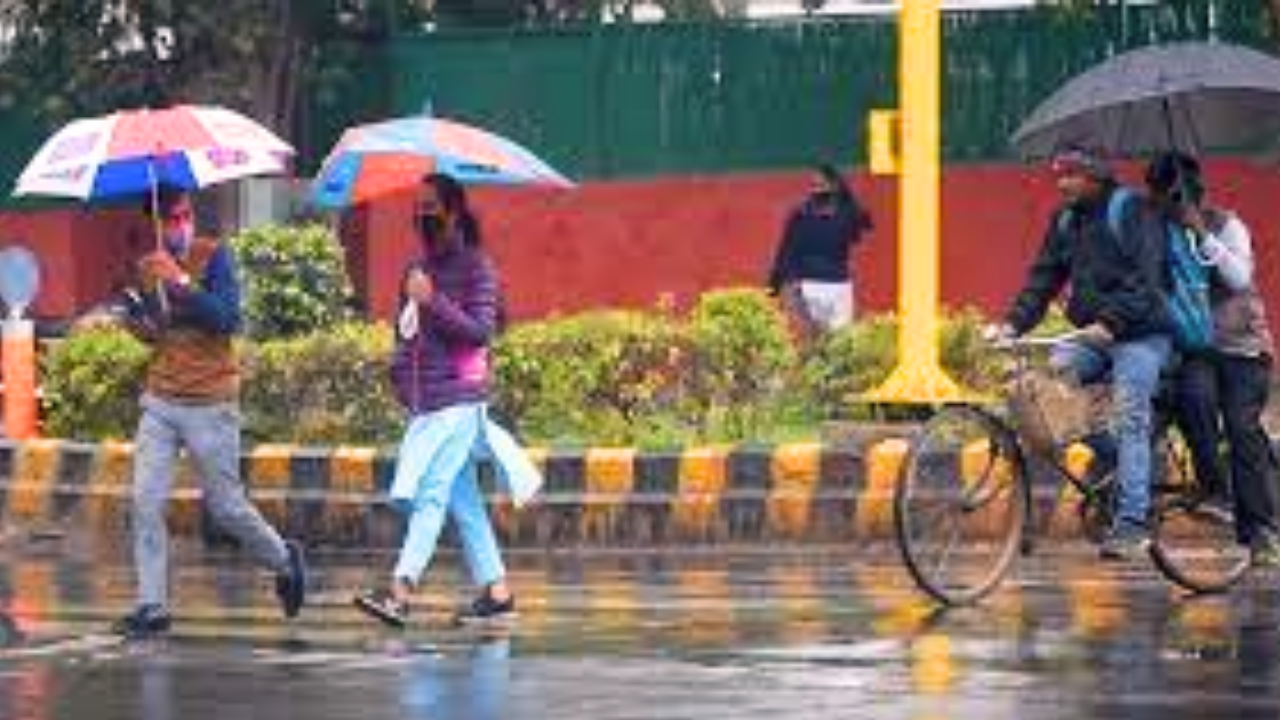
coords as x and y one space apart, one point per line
603 636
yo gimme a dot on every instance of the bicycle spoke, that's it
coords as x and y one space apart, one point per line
940 566
999 487
935 515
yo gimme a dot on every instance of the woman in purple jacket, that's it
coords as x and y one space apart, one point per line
448 316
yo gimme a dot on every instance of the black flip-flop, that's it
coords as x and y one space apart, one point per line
382 605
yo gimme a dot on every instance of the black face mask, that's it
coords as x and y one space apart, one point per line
824 197
431 226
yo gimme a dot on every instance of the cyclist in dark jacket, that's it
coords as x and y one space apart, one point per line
1116 281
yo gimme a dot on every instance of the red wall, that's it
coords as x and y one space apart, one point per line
82 253
632 243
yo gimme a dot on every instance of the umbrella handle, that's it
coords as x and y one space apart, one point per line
158 227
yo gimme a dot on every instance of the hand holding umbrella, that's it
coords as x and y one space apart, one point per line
159 267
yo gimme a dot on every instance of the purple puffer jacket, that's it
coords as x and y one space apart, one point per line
437 367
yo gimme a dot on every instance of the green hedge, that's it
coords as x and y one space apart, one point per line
326 387
848 363
743 356
294 279
726 371
605 377
91 382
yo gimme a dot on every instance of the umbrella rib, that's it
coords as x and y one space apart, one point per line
1193 133
1125 118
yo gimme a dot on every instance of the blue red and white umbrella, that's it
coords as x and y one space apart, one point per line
373 160
186 147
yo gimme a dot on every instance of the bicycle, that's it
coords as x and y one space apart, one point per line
963 501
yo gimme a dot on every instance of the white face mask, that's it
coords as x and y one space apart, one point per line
177 238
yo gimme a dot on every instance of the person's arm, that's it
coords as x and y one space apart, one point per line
783 269
472 319
142 314
1045 278
213 303
1230 249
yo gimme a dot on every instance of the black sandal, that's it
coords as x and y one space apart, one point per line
381 604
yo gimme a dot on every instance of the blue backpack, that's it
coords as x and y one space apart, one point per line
1187 299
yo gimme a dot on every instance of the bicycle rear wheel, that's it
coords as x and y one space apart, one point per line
961 505
1194 544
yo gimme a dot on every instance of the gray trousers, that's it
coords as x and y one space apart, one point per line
211 436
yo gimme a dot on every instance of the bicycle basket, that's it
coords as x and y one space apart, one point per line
1050 410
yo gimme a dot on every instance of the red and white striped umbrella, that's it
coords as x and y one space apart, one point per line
134 152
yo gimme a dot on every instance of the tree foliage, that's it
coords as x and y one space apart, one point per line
61 59
67 58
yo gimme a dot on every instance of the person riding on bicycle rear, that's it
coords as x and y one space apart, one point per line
1106 245
1223 389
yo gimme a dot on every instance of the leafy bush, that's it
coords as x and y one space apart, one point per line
854 360
966 356
328 387
91 384
612 377
294 279
847 363
743 353
726 372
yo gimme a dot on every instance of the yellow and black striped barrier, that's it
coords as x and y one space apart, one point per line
804 492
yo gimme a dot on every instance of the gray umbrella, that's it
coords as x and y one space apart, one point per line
1183 96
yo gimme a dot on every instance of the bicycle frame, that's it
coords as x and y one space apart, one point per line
1191 543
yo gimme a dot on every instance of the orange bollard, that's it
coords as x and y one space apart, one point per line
19 369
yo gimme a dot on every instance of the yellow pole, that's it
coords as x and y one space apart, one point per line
918 376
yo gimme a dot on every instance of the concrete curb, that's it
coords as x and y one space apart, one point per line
804 492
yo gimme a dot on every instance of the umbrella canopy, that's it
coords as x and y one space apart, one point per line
372 160
1183 96
132 153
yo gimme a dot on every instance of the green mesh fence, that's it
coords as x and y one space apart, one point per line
615 101
660 99
640 100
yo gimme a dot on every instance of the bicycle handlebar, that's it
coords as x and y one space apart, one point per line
1043 341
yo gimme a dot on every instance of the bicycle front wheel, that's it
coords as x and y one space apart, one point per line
961 505
1194 544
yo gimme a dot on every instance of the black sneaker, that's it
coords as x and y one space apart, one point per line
291 585
381 604
145 621
1125 542
487 610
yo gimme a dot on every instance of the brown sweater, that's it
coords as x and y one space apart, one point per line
194 367
195 360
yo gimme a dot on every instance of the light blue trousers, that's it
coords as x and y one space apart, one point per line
436 474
